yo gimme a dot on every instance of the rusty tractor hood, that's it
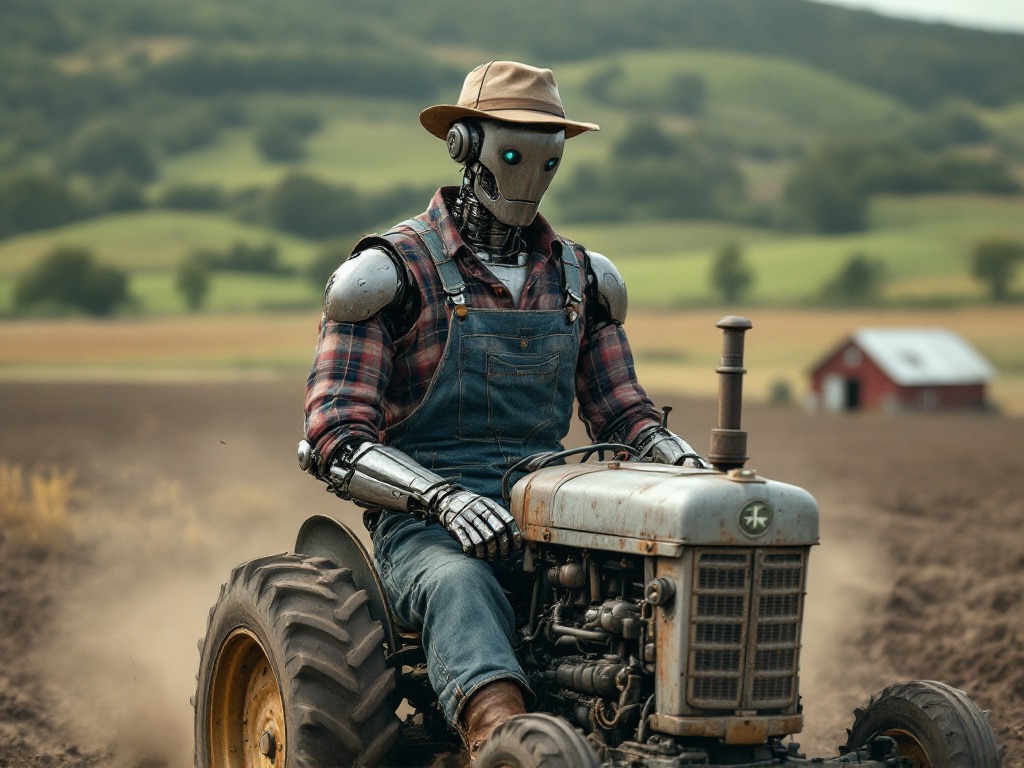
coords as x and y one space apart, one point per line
655 509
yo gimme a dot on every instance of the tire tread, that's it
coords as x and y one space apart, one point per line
330 664
967 738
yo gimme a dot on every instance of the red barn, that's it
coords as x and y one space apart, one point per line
895 369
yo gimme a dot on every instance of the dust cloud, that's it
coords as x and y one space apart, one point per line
175 490
848 582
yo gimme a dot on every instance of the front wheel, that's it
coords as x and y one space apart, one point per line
536 740
292 671
933 725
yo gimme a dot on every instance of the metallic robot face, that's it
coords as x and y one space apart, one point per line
518 165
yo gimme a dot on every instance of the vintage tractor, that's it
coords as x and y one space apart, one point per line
662 630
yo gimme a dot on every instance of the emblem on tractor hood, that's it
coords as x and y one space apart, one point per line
755 519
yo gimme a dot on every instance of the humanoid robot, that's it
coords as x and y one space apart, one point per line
453 346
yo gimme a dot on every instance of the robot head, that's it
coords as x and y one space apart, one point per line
508 129
511 165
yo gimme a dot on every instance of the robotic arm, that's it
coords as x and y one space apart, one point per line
376 475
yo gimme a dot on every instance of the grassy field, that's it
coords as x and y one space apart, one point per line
375 144
676 352
149 240
924 243
372 145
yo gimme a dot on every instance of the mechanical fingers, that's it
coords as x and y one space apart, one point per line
664 447
484 528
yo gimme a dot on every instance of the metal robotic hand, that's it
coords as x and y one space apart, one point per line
484 528
664 447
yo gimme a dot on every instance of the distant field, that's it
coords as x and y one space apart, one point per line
201 345
228 292
676 352
148 240
924 242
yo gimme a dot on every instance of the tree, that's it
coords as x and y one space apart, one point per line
644 139
994 262
118 193
730 276
280 142
70 279
652 175
827 193
192 197
193 281
31 201
101 150
859 281
307 206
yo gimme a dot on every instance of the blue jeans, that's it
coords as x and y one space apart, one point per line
455 601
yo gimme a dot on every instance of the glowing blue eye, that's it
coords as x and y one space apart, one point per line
551 164
511 156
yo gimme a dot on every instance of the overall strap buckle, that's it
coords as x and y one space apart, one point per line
447 270
573 286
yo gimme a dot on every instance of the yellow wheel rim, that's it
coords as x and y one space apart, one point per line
910 748
246 726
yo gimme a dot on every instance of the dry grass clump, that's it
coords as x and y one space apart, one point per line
35 505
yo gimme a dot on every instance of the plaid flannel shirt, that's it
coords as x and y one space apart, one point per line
362 380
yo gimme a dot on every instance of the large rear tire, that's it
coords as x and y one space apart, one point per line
933 724
536 740
292 671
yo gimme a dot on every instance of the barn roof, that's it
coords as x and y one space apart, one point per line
923 356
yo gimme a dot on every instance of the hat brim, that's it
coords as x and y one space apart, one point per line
438 119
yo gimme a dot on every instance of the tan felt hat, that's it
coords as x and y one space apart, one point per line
506 91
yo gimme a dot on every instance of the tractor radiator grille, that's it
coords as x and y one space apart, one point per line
746 611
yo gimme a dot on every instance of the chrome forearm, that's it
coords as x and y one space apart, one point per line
380 476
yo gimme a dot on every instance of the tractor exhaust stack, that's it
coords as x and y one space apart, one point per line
728 441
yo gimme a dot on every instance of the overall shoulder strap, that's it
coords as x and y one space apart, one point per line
572 281
447 269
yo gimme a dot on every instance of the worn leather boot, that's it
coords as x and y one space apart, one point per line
490 706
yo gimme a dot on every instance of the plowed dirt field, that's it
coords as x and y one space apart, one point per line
920 573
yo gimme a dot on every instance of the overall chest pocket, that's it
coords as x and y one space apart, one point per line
511 395
520 393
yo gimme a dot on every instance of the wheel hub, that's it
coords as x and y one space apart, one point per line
246 725
912 754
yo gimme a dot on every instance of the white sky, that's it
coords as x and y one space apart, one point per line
998 15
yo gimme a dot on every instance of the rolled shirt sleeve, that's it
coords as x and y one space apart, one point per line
346 385
612 403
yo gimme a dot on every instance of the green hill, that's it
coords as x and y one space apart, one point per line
918 63
751 98
191 89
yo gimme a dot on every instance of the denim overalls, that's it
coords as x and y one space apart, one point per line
504 389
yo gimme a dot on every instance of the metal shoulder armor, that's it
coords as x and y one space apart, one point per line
611 288
361 287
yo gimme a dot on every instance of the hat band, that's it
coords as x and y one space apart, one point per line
533 105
